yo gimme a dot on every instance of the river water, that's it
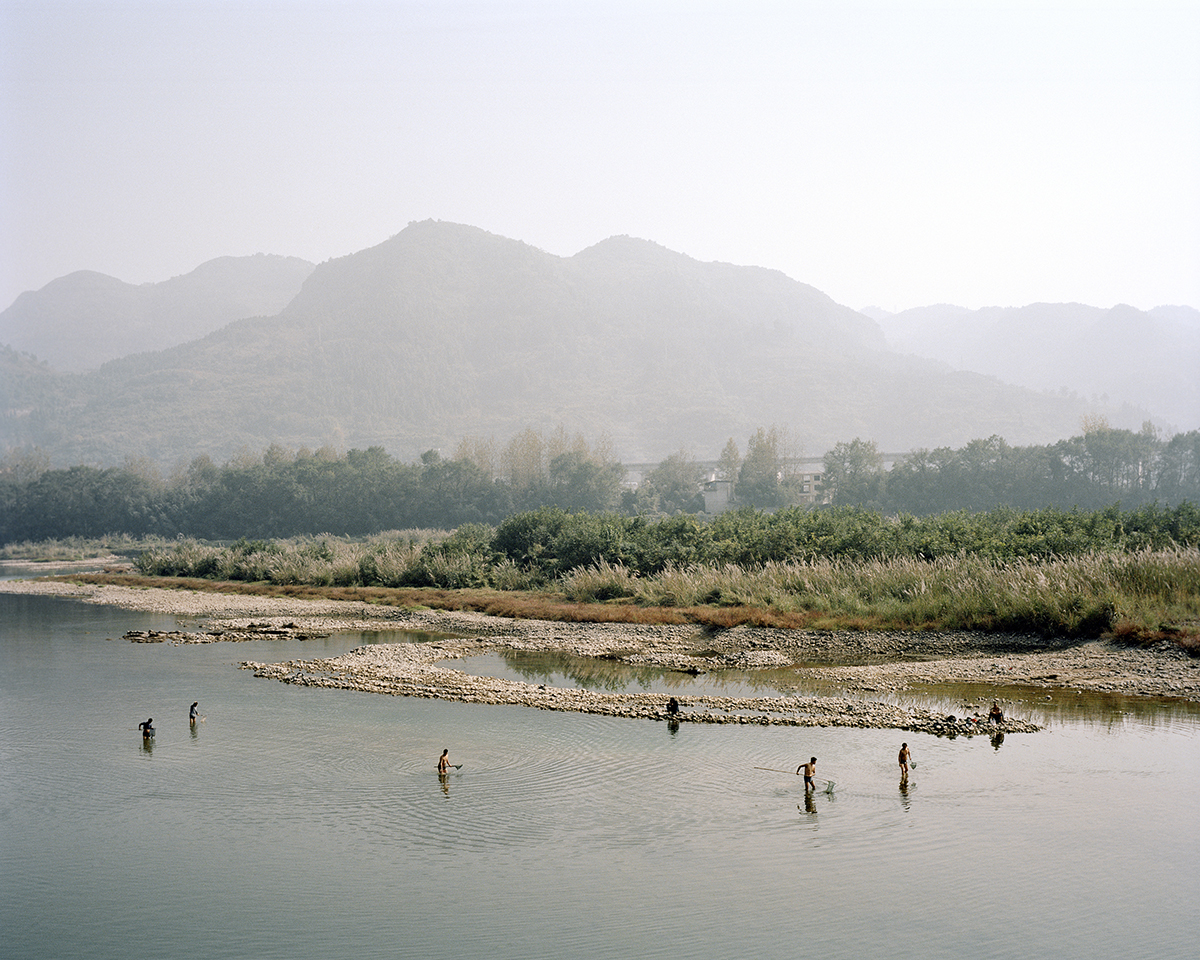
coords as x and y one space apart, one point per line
295 822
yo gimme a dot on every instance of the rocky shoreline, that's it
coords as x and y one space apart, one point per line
853 664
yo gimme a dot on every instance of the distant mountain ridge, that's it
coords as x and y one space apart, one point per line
445 331
1145 358
84 319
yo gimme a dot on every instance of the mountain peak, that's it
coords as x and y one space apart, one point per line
446 331
631 250
85 318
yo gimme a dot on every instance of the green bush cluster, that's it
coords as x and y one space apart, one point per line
538 547
1052 572
391 559
552 542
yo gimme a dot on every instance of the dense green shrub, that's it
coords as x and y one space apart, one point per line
1071 574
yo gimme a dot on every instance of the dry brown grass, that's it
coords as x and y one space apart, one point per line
1186 636
521 606
517 606
532 605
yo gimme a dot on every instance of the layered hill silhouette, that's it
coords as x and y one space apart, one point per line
79 321
445 331
1121 355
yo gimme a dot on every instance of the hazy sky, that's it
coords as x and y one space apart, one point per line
896 153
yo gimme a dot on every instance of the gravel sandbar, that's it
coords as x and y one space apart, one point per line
856 663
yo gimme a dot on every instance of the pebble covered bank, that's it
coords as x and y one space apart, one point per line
852 666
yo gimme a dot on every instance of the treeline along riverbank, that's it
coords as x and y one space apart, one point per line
284 493
554 526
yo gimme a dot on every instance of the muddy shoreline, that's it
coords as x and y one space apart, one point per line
857 664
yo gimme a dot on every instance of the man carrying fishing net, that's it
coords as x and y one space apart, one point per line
810 770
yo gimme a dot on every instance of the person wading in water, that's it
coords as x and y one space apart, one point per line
809 769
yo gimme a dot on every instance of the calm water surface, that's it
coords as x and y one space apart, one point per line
298 823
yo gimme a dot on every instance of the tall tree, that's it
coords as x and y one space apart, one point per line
671 487
730 464
761 472
480 452
1179 469
523 467
853 474
580 483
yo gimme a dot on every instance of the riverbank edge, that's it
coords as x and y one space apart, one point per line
856 663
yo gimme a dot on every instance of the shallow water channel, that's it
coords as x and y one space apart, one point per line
296 822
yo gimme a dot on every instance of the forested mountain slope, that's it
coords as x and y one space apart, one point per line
445 331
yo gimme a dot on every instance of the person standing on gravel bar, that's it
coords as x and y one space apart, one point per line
809 769
904 758
996 715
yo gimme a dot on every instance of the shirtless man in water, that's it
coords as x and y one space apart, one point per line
904 755
444 761
809 769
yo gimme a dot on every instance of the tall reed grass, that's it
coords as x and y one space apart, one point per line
389 560
1141 593
1074 596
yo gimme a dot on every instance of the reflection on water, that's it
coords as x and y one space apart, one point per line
1035 704
566 670
1048 706
611 676
362 638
